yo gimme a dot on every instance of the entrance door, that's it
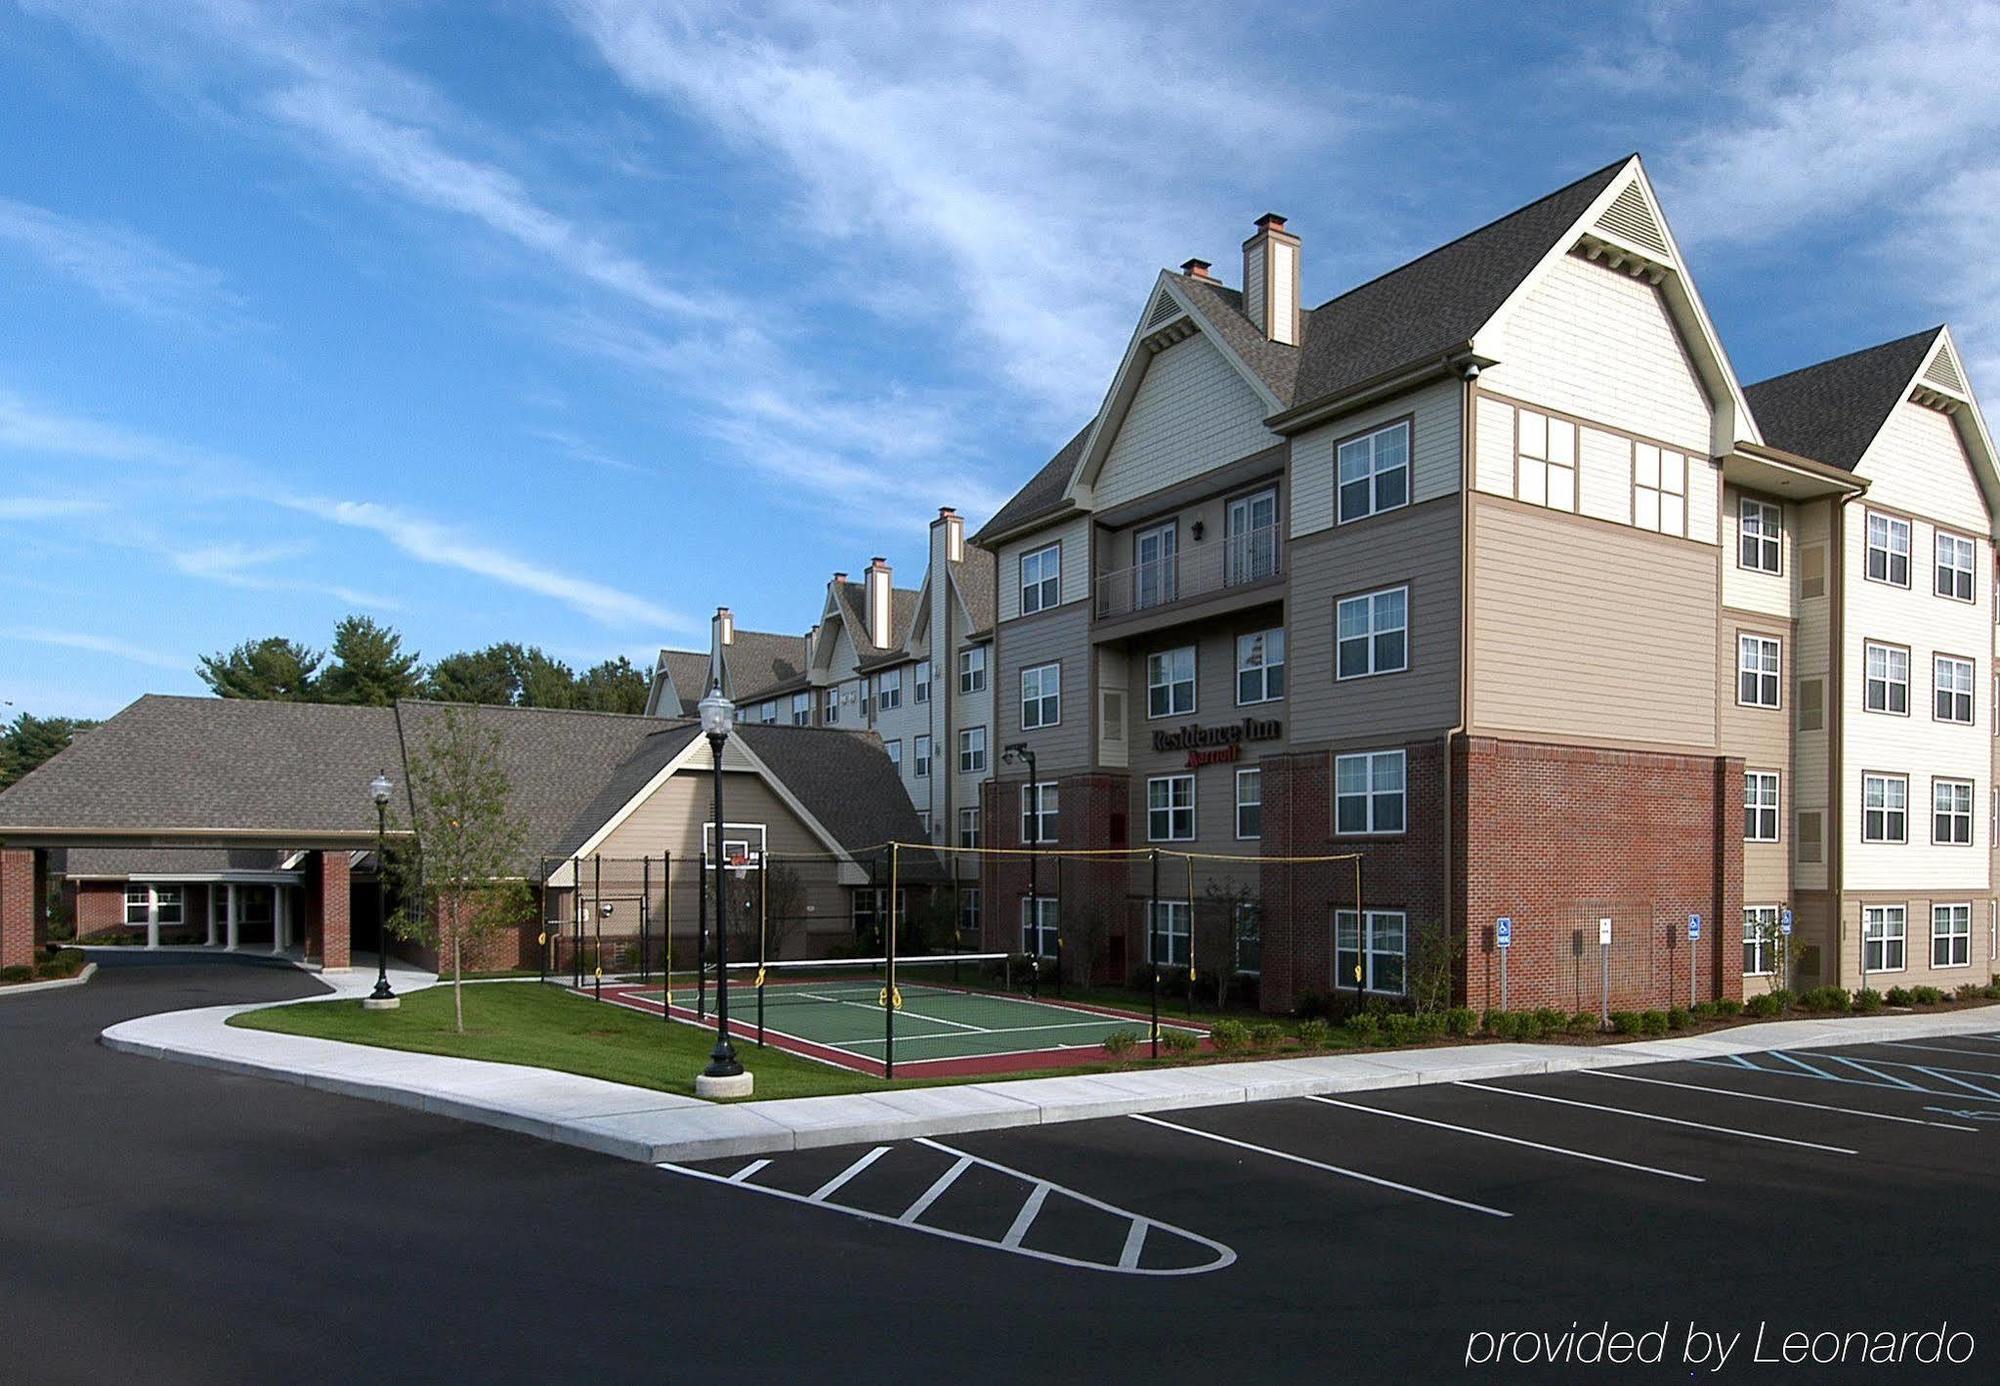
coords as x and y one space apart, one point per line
1153 552
1252 522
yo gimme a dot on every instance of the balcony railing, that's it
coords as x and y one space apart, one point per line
1240 560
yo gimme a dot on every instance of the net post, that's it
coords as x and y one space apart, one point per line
889 991
1189 862
543 910
1153 946
957 918
701 934
763 934
666 937
1061 920
1360 941
645 913
576 921
597 918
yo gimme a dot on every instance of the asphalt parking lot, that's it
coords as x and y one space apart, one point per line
174 1224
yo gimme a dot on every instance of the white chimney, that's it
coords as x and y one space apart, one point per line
1271 280
878 604
953 524
725 626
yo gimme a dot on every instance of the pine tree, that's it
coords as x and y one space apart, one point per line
30 740
370 666
274 670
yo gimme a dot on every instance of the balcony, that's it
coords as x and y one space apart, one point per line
1241 563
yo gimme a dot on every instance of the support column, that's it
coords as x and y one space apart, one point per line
235 917
17 908
214 897
334 899
153 920
277 920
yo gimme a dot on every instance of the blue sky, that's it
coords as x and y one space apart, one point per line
565 322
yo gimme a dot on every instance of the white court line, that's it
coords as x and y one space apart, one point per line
1014 1030
1316 1164
1784 1101
936 1190
832 1186
1654 1116
1135 1242
1025 1219
1510 1140
747 1171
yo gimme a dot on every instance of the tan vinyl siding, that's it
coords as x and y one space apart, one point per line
1918 463
1762 739
1419 547
672 818
1192 411
1435 455
1591 633
1062 634
1074 536
1811 523
1749 589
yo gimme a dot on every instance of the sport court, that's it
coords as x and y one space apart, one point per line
938 1019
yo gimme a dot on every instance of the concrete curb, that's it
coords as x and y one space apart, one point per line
641 1124
24 988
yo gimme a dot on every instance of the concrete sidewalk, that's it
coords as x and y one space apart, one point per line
641 1124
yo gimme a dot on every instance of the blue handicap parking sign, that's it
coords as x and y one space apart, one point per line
1785 922
1503 931
1694 926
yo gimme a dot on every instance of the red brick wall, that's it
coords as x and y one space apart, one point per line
98 907
19 925
1556 837
1091 808
328 902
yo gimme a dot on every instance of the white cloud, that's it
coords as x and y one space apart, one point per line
24 427
583 450
95 644
47 507
119 265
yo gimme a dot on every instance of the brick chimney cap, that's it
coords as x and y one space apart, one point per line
946 511
1195 269
1271 221
878 562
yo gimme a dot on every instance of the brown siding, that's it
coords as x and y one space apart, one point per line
1761 738
1062 634
1590 632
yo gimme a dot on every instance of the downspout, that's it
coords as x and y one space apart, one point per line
1468 400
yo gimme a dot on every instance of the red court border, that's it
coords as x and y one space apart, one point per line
633 996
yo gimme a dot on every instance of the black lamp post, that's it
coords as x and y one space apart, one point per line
1019 750
717 713
382 998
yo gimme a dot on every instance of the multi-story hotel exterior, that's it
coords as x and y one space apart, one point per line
1490 572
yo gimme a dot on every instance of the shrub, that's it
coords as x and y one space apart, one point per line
1550 1019
1678 1018
1402 1029
1582 1023
1868 1001
1314 1033
1896 996
1120 1043
1363 1026
1179 1041
1523 1026
1783 997
1728 1006
20 972
1765 1004
1993 991
1310 1006
1461 1020
1826 999
1226 1036
1266 1034
1926 996
1969 991
1703 1010
64 962
1625 1022
1653 1022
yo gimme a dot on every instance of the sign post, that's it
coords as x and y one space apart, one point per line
1785 947
1604 966
1694 956
1503 938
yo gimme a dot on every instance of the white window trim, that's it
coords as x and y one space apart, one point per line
1888 550
1193 682
1888 682
1041 697
1042 790
1971 810
1939 567
1883 910
971 816
1161 914
921 756
1181 777
1369 597
1048 934
972 670
1766 943
1363 937
1258 772
1370 795
1041 581
1971 668
1775 808
1407 467
1263 671
1744 641
1965 905
1886 779
1770 534
964 734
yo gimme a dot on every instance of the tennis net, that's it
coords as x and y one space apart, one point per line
851 981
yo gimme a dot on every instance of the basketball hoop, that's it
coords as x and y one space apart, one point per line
738 864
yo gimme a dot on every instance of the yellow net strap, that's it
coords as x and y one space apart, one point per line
890 996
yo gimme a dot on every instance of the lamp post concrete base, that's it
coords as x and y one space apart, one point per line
735 1085
380 1003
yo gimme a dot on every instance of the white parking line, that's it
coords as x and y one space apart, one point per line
936 1190
1135 1242
833 1185
1948 1049
1510 1140
1025 1219
1316 1164
1667 1120
747 1171
1784 1101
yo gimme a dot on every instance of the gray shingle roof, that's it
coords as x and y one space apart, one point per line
844 778
117 862
1832 411
760 662
976 576
1043 495
169 764
689 669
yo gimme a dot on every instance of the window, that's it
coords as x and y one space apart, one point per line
1260 666
829 707
167 903
1155 566
1375 472
924 822
1760 806
923 690
1760 940
972 670
862 686
1885 679
1170 934
1809 707
1951 812
1885 808
1379 955
972 751
1884 938
1952 689
1758 534
1249 937
968 913
1170 808
1041 579
1041 921
1888 550
1250 527
1368 793
802 709
871 910
1659 489
895 749
138 904
1545 470
1249 804
1038 813
1041 696
1954 566
1951 935
923 757
1170 682
1374 633
1756 671
889 690
1812 825
969 833
768 714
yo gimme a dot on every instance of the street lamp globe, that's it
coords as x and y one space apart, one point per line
378 789
717 713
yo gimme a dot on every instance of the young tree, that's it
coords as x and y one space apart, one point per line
30 740
369 665
466 882
477 676
274 670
